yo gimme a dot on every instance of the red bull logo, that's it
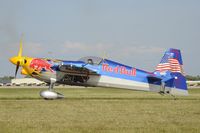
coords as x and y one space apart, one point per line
122 70
39 64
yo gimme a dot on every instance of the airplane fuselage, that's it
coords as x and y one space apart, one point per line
107 74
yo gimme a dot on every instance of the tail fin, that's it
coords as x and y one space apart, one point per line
171 70
171 61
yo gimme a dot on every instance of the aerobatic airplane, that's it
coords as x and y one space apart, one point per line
168 77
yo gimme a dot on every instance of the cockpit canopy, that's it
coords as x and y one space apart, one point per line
93 60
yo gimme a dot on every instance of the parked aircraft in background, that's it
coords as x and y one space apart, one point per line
168 77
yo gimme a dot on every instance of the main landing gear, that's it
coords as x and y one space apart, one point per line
50 94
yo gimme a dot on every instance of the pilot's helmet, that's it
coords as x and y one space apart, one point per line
90 61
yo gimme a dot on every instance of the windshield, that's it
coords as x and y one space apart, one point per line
91 60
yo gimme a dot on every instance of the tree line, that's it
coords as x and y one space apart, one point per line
6 79
193 78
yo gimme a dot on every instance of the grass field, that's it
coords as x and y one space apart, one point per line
98 110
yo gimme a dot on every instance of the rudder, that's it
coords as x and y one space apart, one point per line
171 61
170 69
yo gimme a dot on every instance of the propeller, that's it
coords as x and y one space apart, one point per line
20 48
18 60
17 68
104 56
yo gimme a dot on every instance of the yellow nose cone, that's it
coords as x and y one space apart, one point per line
14 60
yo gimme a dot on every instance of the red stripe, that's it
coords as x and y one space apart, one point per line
162 69
172 65
175 64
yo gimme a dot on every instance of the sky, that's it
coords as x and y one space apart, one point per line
133 32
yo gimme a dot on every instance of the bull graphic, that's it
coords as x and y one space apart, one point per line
39 64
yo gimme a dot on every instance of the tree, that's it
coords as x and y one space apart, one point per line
192 78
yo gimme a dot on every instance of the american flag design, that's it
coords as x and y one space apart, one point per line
169 62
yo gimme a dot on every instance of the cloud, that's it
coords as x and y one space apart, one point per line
116 50
29 49
144 57
79 49
34 49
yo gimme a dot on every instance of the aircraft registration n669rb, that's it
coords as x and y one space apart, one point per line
168 77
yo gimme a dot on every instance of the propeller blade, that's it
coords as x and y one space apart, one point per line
17 68
20 49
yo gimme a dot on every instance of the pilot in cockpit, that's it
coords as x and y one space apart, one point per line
90 61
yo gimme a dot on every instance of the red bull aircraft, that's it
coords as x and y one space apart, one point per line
168 77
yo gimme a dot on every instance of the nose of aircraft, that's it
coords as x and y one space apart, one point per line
13 60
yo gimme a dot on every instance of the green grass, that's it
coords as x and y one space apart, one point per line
98 110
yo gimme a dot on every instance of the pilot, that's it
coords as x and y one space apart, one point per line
90 61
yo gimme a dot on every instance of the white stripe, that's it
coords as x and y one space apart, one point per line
179 92
163 66
107 81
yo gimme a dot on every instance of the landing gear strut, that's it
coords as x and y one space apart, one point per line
50 94
162 88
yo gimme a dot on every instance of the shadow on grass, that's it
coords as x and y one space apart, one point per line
105 98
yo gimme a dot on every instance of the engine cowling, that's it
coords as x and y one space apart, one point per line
50 95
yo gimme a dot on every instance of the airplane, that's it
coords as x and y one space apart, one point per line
168 77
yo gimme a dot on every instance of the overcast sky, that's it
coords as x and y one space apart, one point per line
133 32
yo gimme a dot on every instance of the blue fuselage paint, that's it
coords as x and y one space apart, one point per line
111 69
